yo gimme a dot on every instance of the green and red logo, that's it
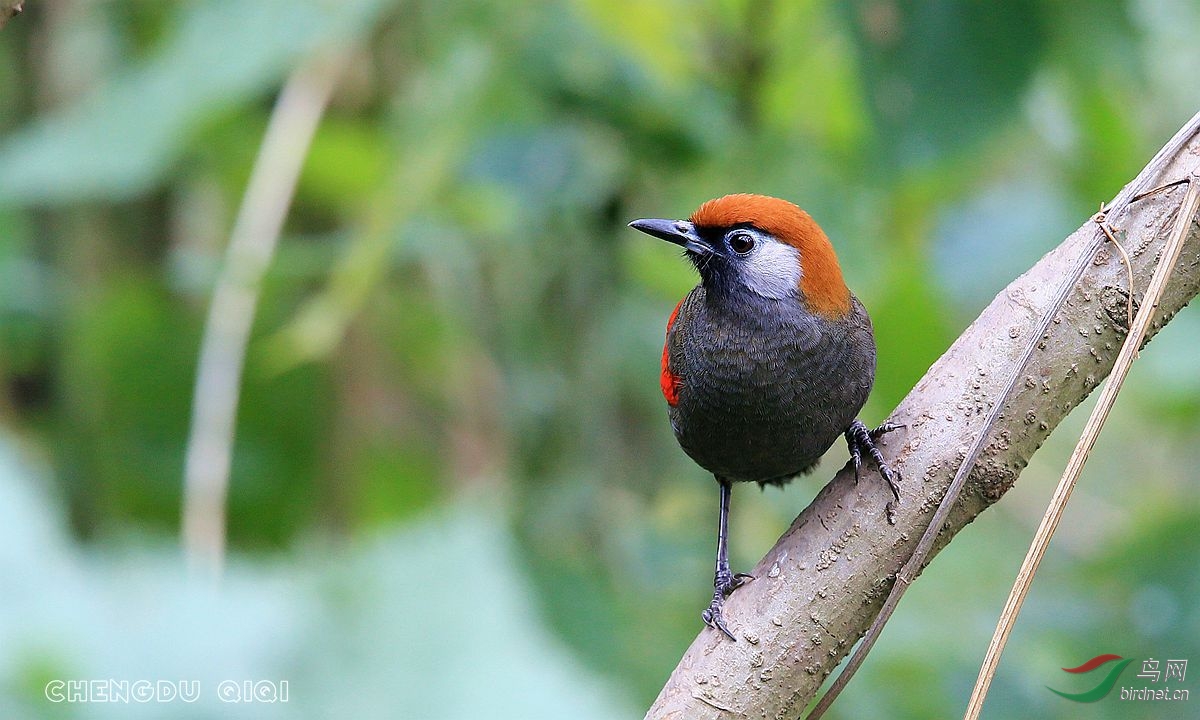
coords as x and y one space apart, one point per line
1106 685
1157 680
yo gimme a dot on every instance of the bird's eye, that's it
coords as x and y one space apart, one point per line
741 242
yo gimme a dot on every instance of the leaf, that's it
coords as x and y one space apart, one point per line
123 138
940 74
426 621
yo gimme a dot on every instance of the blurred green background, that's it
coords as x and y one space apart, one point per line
455 493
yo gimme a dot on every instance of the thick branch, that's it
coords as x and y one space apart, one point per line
819 588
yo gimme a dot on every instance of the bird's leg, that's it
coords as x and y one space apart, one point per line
725 581
861 440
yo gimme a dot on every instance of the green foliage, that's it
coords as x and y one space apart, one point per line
128 391
118 142
452 468
355 634
940 74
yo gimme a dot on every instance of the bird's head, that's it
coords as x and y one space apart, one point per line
761 245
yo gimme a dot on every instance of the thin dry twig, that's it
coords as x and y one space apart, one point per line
251 247
1101 219
1062 493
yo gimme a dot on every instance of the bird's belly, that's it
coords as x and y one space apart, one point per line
742 422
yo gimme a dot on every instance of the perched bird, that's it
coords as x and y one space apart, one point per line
769 359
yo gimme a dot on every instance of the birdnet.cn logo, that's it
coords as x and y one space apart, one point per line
1158 680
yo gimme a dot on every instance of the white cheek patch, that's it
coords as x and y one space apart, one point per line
772 270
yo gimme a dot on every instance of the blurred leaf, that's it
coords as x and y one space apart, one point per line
641 28
128 378
562 165
660 268
26 300
579 70
395 484
425 156
344 166
123 137
428 622
911 330
812 85
129 392
1109 151
940 73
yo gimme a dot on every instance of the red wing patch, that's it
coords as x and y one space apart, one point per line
667 380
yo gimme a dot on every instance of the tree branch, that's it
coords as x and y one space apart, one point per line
820 587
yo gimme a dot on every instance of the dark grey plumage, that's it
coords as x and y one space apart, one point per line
765 386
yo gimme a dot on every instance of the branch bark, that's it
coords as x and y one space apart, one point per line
819 588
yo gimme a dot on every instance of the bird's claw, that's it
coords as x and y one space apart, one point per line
724 585
712 617
884 429
861 440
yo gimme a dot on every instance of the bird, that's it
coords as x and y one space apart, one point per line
768 360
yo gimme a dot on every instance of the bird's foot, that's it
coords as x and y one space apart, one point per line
724 584
861 440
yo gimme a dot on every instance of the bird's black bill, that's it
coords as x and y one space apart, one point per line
680 232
